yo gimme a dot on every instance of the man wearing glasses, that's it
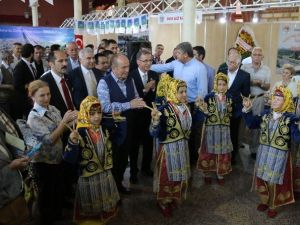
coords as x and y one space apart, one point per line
260 78
145 81
239 84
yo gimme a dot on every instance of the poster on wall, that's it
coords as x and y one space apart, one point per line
44 36
102 27
106 27
122 29
117 25
136 25
111 26
289 46
129 26
90 27
144 23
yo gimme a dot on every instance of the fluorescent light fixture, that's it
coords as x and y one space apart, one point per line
255 18
223 18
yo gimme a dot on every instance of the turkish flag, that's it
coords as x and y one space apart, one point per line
79 40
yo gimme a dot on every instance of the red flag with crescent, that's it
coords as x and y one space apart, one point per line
79 40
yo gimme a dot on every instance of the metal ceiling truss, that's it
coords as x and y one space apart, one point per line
161 6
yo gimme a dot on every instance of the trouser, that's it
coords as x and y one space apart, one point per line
141 136
48 178
234 134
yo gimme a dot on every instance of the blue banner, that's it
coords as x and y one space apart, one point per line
44 36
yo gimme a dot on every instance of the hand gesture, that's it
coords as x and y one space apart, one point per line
69 116
137 103
74 136
247 103
155 114
201 104
149 85
19 163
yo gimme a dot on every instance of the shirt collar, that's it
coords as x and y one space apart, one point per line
233 73
56 77
141 72
25 60
117 79
5 65
84 70
39 109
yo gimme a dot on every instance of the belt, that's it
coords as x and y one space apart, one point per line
257 96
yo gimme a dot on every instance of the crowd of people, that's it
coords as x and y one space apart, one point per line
88 112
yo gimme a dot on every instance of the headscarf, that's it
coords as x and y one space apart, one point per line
220 76
288 105
162 85
84 112
171 91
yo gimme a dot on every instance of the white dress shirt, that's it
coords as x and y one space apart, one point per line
231 77
90 81
57 79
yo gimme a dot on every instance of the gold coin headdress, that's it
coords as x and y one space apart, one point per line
172 90
220 76
288 105
84 112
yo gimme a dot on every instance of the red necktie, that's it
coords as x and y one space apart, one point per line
67 94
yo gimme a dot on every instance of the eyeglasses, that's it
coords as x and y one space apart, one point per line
146 61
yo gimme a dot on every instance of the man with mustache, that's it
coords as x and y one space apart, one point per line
58 82
60 89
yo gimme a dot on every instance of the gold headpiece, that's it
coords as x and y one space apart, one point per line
219 76
162 85
84 112
172 90
288 105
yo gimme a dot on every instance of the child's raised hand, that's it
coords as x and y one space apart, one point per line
247 103
74 136
155 114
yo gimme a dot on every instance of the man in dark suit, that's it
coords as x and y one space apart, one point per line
239 84
84 79
73 59
23 74
60 89
6 83
60 98
38 60
145 81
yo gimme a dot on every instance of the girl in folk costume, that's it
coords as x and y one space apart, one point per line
171 124
216 147
97 195
273 169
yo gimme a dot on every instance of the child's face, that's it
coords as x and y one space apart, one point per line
95 115
181 95
277 103
221 86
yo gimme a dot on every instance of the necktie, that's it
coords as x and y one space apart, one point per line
33 71
93 83
67 94
145 78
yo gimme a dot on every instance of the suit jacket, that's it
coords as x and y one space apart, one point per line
56 97
39 68
7 76
150 96
79 91
69 66
22 77
240 85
